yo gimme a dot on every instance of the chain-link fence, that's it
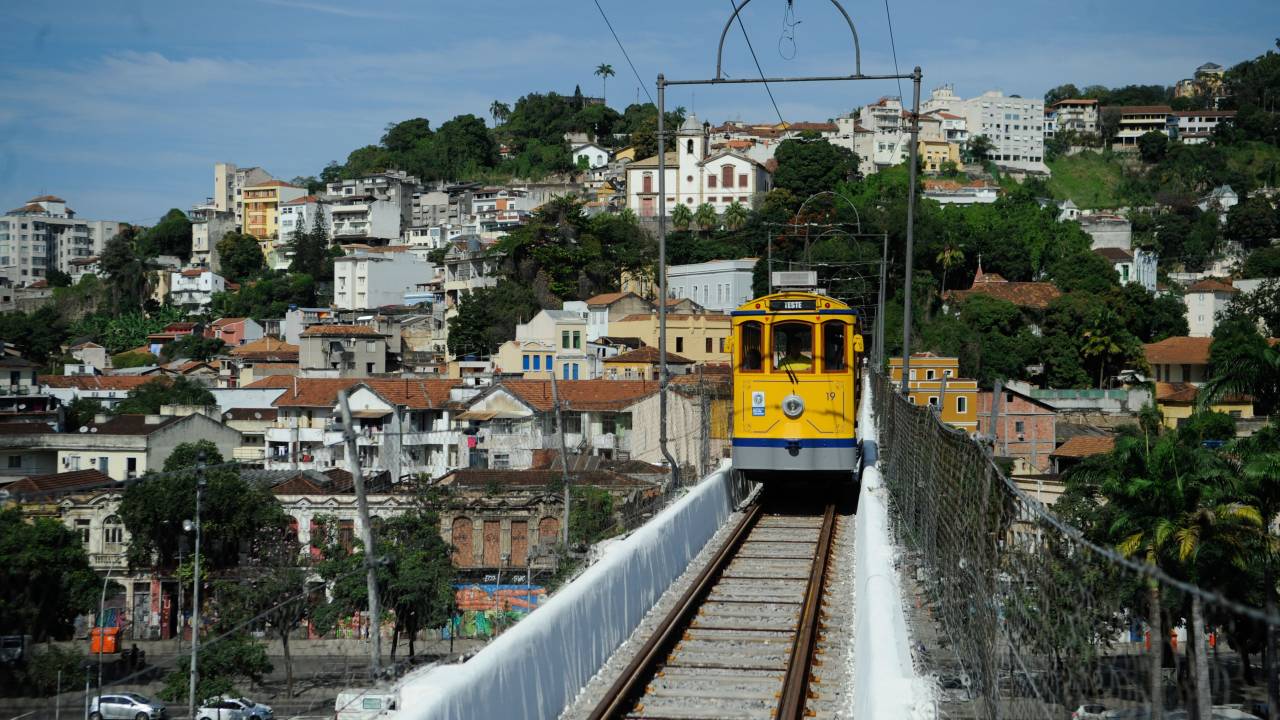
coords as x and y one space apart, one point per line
1020 614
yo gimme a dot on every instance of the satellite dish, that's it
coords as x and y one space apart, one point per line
84 429
93 430
257 416
22 406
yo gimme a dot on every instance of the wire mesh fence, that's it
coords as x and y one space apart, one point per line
1021 614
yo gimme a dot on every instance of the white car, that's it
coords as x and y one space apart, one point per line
126 706
215 709
252 710
1089 711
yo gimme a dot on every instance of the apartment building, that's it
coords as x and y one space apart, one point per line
1194 127
1014 125
935 381
403 428
553 341
300 214
610 307
1076 115
208 226
718 285
193 289
697 335
468 266
1206 301
374 277
45 234
380 205
1136 121
262 203
229 183
339 351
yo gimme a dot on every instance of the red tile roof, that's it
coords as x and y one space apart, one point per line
47 198
1179 351
97 382
1115 255
323 392
648 354
1036 295
1082 446
341 331
581 394
266 344
608 298
273 183
1210 285
58 483
304 200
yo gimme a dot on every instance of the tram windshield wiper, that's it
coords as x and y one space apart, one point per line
790 373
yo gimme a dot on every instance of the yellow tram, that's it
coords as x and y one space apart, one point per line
796 359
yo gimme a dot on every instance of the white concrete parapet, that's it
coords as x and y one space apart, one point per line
536 668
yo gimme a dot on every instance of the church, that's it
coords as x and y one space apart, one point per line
694 177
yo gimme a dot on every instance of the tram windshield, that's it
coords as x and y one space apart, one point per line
833 347
752 358
793 347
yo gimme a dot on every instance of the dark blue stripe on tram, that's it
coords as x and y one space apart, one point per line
803 442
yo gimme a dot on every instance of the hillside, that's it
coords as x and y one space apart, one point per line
1091 180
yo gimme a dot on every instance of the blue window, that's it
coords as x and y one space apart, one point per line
575 371
564 370
537 362
526 362
549 361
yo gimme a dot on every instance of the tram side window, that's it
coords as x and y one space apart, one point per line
752 347
833 347
793 347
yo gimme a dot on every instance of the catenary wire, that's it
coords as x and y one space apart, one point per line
624 51
760 70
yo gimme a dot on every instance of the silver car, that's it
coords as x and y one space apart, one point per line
252 710
126 706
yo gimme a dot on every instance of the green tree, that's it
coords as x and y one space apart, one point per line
1262 263
810 166
56 278
1152 146
1084 272
979 148
233 512
1061 92
590 515
681 217
1252 223
192 347
705 217
128 268
224 665
81 411
1257 463
404 136
736 216
170 236
949 257
147 398
605 71
488 316
267 297
500 111
1241 362
240 257
462 145
45 580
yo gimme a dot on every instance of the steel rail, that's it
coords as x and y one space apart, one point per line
621 695
795 689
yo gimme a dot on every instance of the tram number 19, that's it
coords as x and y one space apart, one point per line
831 396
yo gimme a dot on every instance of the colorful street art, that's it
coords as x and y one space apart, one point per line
485 609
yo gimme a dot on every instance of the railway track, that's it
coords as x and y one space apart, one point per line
743 640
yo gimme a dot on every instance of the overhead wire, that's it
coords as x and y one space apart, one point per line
624 50
760 70
894 47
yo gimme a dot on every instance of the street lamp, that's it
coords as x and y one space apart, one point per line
195 599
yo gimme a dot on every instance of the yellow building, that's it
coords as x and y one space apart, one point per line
933 153
262 208
958 398
1177 402
700 336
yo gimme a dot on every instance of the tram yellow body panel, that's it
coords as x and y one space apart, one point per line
796 362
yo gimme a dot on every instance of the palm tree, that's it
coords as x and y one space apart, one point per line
1258 461
682 217
1103 339
705 217
736 215
500 111
950 256
605 71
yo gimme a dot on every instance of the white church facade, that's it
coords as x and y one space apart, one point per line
693 177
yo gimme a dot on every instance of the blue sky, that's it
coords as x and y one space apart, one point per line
122 107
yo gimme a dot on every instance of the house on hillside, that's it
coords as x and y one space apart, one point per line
1205 301
695 176
1179 359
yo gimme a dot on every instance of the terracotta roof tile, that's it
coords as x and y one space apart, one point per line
1083 446
1179 351
608 298
323 392
58 483
47 198
96 382
1210 285
1036 295
341 331
1115 254
647 354
266 344
597 394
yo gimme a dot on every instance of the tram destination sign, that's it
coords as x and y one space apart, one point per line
793 304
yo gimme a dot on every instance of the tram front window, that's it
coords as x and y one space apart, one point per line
752 352
833 347
793 347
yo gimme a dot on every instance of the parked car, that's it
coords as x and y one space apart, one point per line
1089 711
126 706
215 709
252 710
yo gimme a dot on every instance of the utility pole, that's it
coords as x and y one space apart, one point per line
662 285
564 459
911 224
195 595
366 533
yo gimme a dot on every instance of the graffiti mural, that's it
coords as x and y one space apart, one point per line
486 609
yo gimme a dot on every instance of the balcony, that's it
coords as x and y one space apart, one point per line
109 561
249 454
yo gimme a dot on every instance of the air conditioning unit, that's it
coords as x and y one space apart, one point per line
795 279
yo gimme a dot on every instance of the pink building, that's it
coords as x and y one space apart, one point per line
1027 428
234 331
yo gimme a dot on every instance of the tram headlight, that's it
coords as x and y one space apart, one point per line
792 406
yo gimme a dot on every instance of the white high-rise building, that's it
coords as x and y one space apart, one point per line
1014 125
45 234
